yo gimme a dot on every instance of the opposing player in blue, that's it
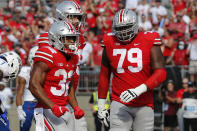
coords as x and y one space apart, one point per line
10 64
25 111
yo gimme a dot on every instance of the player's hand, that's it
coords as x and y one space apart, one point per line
4 118
58 110
78 112
103 114
131 94
21 114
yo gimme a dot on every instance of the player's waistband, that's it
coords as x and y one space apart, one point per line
31 101
60 102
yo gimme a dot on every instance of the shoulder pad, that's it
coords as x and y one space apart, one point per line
43 38
45 53
106 39
153 36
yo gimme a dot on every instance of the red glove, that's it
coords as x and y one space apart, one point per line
58 110
78 112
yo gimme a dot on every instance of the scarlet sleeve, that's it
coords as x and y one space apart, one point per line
76 78
156 39
104 79
43 39
158 76
44 55
82 42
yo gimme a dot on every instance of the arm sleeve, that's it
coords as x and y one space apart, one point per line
158 76
156 39
76 78
104 80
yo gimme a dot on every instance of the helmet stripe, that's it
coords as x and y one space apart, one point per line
121 14
71 28
77 5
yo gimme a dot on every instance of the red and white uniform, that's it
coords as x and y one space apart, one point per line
44 41
56 84
131 65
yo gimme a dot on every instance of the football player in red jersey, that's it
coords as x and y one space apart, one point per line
51 75
71 11
137 64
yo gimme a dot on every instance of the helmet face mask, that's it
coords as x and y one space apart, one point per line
125 25
70 43
64 37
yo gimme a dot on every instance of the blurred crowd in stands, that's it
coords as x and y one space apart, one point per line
22 21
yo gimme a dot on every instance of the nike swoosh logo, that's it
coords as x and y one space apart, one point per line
135 44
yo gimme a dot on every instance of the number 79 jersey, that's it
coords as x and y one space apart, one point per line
59 76
131 65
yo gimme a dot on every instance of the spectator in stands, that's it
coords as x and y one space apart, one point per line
168 46
170 108
158 29
190 108
131 4
143 9
193 22
21 52
179 96
192 51
145 24
178 5
158 10
180 57
177 27
104 22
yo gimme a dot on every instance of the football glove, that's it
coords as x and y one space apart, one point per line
4 118
103 114
131 94
58 110
78 112
21 115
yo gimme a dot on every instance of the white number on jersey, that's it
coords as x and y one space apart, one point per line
130 58
64 85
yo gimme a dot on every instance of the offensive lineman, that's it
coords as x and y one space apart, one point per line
51 76
25 111
71 11
10 64
137 64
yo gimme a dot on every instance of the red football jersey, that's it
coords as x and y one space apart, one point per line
44 41
131 65
56 84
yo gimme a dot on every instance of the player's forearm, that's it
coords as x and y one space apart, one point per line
2 109
156 79
40 94
72 98
18 99
103 86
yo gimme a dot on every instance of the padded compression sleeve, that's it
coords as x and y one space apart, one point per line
103 86
157 78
